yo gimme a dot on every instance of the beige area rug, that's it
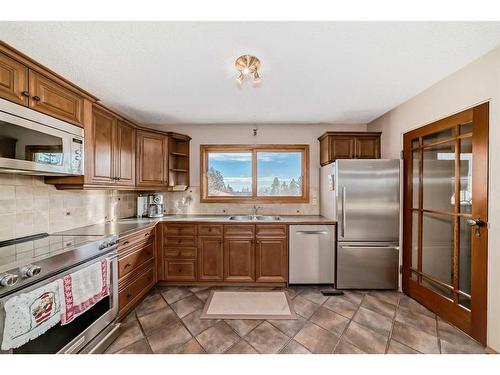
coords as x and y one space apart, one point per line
248 305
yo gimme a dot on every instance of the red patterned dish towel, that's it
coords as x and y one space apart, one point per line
83 289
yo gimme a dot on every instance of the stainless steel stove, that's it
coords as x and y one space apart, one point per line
30 262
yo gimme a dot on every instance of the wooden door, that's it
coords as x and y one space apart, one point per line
13 80
210 259
239 260
341 147
103 125
151 164
367 147
54 100
124 154
271 260
445 218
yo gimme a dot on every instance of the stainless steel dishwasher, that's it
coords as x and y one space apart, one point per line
312 254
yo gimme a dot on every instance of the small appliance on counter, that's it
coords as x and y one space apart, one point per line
142 205
155 205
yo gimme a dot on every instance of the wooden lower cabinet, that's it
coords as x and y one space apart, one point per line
210 259
224 253
271 260
136 268
134 288
239 260
180 270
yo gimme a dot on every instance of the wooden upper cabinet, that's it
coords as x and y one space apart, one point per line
54 100
13 80
349 145
124 153
152 159
367 147
102 159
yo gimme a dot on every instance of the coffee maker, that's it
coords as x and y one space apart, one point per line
155 205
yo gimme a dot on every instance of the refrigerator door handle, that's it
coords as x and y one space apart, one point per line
343 210
368 247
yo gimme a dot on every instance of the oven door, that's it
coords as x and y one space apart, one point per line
77 335
37 144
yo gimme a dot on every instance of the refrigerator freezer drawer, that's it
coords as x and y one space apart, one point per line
373 265
312 254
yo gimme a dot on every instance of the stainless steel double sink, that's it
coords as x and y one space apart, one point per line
254 218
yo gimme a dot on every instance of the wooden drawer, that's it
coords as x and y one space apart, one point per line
133 239
271 230
182 252
133 291
180 270
172 230
135 257
239 230
210 229
179 241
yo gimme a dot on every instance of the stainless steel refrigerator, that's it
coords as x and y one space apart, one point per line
364 197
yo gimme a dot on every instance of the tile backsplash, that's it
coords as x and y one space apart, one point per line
29 206
188 202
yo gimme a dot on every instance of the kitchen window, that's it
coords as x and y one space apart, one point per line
255 173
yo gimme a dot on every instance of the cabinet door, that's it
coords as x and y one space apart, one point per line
13 80
54 100
271 260
239 260
125 154
341 148
151 164
368 147
103 125
210 259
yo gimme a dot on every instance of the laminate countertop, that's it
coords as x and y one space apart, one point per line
122 227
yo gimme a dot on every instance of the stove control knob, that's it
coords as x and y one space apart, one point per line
8 279
30 270
103 245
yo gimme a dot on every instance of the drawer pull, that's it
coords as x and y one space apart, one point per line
146 234
179 241
127 265
25 93
36 98
209 229
126 242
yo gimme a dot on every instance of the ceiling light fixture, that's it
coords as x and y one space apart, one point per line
248 67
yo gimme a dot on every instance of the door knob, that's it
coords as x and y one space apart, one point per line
476 223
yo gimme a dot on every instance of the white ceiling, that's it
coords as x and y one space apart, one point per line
183 72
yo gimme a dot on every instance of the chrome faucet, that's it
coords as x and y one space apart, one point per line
255 209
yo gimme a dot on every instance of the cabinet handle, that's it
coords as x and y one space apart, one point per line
127 265
126 242
146 234
36 98
25 93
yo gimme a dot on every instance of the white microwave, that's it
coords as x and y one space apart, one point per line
36 144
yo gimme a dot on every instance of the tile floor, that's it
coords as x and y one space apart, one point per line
168 321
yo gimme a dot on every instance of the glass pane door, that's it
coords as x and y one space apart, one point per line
445 231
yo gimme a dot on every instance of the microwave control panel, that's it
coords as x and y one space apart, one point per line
77 155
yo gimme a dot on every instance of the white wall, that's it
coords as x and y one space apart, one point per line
476 83
243 134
